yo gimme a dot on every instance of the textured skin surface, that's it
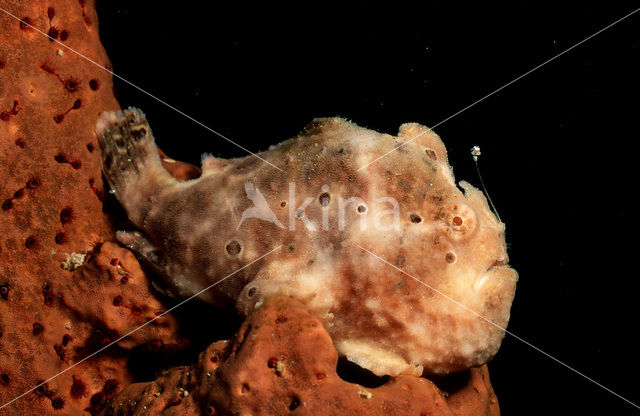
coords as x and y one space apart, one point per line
197 232
52 205
282 362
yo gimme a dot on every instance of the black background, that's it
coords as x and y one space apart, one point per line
559 146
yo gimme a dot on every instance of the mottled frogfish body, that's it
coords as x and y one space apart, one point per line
408 272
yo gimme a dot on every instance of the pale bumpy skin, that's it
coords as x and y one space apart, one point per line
195 234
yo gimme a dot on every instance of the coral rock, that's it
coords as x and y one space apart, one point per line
113 279
55 309
282 361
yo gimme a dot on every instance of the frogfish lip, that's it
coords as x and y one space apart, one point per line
498 280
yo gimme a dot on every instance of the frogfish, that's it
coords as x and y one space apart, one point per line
407 270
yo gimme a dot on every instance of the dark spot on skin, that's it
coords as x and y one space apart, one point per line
60 158
94 84
42 389
18 194
90 147
60 238
415 218
5 115
362 209
431 154
457 221
77 104
21 143
51 12
25 22
46 68
58 119
252 292
57 403
78 388
66 338
72 85
97 399
214 359
64 35
2 64
5 379
324 199
47 293
233 248
66 215
291 248
321 376
117 301
272 362
60 351
210 411
294 403
400 260
53 33
245 388
283 204
450 257
48 300
33 183
281 319
139 134
30 242
4 291
119 142
110 386
7 204
37 329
